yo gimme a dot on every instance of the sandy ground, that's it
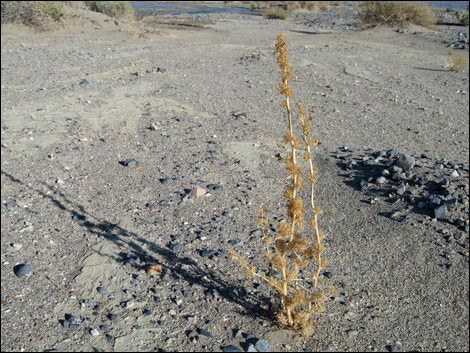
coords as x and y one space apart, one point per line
83 220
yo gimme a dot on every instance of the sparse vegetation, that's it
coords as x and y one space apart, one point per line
458 62
41 15
306 5
276 13
283 9
462 16
295 262
401 13
115 9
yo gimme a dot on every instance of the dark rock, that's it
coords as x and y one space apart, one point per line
23 270
204 332
166 181
231 348
393 348
83 83
239 114
434 201
104 328
214 187
102 290
155 70
130 163
401 189
109 338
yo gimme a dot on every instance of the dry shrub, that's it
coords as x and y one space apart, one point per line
323 6
462 16
306 5
41 15
458 62
115 9
399 13
276 13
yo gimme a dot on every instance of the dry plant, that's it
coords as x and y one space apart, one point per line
40 15
399 13
296 262
276 13
458 62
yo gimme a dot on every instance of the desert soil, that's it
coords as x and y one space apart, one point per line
89 225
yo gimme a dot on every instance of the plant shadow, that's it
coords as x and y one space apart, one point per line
176 266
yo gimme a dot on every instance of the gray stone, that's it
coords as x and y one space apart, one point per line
130 163
441 211
83 83
395 169
166 181
405 162
381 180
214 187
401 189
11 205
104 328
239 114
251 348
231 348
263 346
204 332
102 290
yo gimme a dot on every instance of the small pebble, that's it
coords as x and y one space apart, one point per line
251 348
17 246
166 181
94 332
102 290
441 211
405 162
104 328
393 348
204 332
23 270
381 180
214 187
130 163
263 346
401 189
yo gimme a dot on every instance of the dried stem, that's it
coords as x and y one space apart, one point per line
288 252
